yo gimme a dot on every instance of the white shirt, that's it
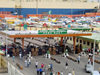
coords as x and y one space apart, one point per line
69 73
29 60
20 55
36 63
62 73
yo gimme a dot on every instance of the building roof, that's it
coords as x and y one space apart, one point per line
25 34
95 36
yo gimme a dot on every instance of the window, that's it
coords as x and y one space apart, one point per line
77 40
80 41
88 43
84 42
96 45
67 38
70 38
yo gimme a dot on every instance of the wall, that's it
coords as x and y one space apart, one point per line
48 4
84 45
12 70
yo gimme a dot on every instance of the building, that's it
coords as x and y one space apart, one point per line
65 7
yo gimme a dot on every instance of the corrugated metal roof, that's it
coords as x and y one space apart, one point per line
95 36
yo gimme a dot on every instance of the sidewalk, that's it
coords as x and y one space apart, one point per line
3 73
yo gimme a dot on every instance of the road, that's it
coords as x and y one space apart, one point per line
79 68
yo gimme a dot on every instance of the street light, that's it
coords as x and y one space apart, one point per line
37 7
94 54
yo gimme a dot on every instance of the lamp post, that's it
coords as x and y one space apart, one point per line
71 8
37 7
94 54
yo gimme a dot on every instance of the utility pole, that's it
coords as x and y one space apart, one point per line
37 7
94 54
20 7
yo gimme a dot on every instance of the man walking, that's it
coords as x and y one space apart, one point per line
78 59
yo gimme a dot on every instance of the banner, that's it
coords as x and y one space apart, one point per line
52 32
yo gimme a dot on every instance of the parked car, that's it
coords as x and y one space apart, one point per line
95 73
88 68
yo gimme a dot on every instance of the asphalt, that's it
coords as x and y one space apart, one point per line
79 68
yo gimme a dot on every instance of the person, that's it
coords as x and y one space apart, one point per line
51 67
36 64
69 73
29 54
48 54
43 73
61 73
38 73
97 51
54 73
66 53
58 73
89 61
13 58
40 70
20 55
73 72
51 73
42 65
78 59
66 65
29 60
25 62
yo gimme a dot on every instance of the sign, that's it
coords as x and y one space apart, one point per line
52 32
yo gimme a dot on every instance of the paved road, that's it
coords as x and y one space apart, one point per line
79 68
3 73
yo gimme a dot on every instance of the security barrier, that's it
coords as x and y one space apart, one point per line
3 65
12 70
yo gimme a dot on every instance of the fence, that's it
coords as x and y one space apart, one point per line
12 70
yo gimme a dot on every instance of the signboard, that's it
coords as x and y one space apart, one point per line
52 31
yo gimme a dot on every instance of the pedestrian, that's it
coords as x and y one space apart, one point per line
38 73
89 61
66 53
66 65
42 65
51 67
73 72
58 73
36 64
51 73
69 73
28 63
54 73
48 54
40 70
78 59
29 60
61 73
43 73
20 55
25 62
13 57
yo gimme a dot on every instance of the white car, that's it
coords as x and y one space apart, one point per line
88 68
95 73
